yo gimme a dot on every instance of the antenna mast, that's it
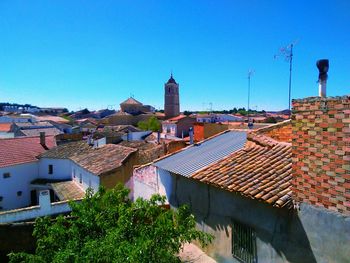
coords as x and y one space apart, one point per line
250 74
287 53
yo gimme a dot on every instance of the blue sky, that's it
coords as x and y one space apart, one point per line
96 53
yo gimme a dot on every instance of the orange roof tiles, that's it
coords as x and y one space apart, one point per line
22 150
262 170
5 127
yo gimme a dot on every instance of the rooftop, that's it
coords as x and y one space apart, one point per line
67 190
36 132
5 127
103 159
131 100
171 80
262 170
66 150
52 118
195 157
22 150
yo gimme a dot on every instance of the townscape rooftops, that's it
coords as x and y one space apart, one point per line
66 150
22 150
131 100
67 190
103 159
195 157
36 132
262 170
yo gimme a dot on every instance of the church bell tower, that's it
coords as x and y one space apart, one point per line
171 98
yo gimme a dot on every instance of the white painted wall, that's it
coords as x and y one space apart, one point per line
4 135
149 180
84 178
20 177
44 208
135 136
61 169
166 127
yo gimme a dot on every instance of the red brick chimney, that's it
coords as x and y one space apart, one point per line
321 152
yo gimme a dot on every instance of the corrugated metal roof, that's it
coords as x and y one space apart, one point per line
200 155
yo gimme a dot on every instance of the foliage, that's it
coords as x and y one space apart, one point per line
271 120
108 227
152 124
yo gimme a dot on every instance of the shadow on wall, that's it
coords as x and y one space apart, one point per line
280 235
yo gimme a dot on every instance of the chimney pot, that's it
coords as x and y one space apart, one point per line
42 139
323 66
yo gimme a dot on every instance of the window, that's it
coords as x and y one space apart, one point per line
243 243
50 169
6 175
80 178
74 173
19 193
1 198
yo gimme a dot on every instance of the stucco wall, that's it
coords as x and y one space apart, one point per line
61 168
21 176
308 235
87 179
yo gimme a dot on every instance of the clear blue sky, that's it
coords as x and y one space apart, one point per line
96 53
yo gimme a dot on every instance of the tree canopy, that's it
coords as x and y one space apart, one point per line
152 124
108 227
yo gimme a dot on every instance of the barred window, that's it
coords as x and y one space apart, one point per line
243 243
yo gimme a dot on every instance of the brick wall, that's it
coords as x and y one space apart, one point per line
281 131
321 152
205 130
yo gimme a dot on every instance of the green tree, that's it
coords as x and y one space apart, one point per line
152 124
108 227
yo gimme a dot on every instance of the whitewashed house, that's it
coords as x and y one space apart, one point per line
18 168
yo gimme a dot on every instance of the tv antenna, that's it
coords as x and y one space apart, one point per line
287 53
250 74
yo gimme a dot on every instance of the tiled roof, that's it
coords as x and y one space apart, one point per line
103 159
141 145
5 127
30 125
66 150
195 157
22 150
67 190
262 170
176 119
36 132
131 100
52 118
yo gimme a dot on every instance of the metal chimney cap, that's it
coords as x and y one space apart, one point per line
322 65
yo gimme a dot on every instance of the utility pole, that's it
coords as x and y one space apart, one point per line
250 74
287 53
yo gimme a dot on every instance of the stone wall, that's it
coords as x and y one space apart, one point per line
321 152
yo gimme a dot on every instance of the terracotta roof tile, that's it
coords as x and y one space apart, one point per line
66 150
68 190
5 127
103 159
261 171
22 150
